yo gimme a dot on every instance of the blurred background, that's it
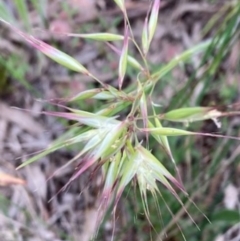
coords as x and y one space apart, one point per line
31 206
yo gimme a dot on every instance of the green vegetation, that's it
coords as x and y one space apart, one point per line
134 140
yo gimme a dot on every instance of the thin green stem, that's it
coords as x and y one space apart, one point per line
136 45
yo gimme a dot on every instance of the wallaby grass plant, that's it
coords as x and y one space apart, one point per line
120 145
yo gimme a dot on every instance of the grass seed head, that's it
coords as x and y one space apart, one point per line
98 36
121 4
123 58
191 114
153 20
